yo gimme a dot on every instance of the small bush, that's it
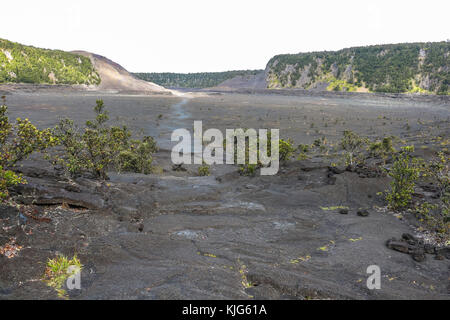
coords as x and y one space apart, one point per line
303 148
353 145
99 147
382 149
248 170
138 158
8 179
437 170
57 272
17 142
405 170
203 170
286 149
433 216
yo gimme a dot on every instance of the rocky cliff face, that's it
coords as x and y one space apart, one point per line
400 68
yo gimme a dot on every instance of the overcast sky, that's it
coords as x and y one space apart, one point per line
210 35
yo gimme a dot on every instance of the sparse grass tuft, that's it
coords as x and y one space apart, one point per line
58 271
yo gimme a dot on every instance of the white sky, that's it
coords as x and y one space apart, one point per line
211 35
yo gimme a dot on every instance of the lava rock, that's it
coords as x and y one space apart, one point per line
439 257
363 213
336 170
343 211
178 167
408 236
418 255
429 248
398 245
331 180
72 188
411 239
350 168
444 252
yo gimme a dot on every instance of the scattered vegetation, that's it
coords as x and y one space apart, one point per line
408 174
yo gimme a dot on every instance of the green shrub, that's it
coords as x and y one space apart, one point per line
8 179
17 142
58 271
203 170
405 171
248 170
286 149
437 170
303 150
382 149
99 147
74 159
434 217
139 155
353 145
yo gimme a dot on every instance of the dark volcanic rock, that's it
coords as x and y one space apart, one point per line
343 211
439 257
409 237
445 252
350 168
331 179
336 170
307 165
178 167
49 191
363 212
72 188
88 201
399 245
415 247
429 248
418 255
